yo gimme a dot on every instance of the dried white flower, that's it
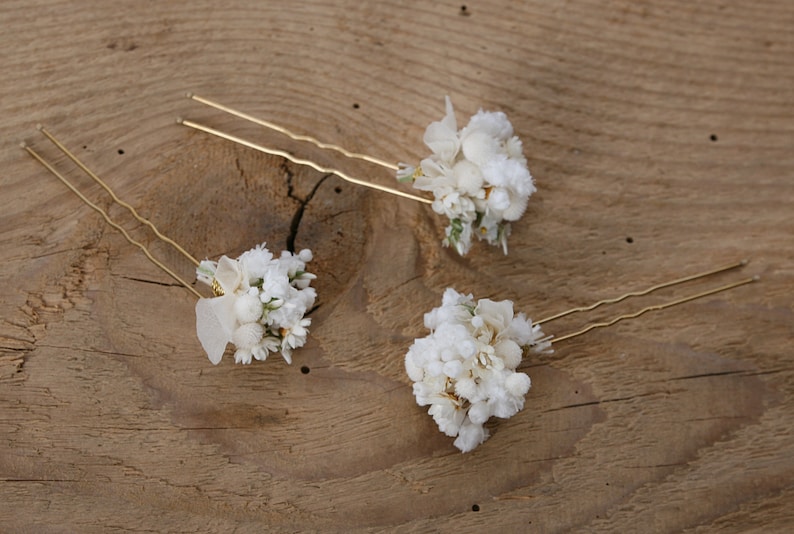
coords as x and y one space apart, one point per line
260 305
478 177
465 370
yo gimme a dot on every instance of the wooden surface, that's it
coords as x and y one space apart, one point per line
661 136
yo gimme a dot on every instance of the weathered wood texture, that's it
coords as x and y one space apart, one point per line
661 135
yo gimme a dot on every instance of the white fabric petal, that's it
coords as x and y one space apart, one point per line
228 274
442 136
214 325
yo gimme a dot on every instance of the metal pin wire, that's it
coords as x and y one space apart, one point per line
319 168
292 135
298 161
108 220
644 291
655 308
107 188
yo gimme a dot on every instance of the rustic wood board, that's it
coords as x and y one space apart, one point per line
661 136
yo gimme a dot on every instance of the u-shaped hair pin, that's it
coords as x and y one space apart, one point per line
260 301
478 174
466 369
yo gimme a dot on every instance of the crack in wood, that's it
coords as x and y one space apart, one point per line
155 282
297 217
708 375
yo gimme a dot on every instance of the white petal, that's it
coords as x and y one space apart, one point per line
499 199
468 176
442 136
242 356
415 373
449 119
494 123
228 274
517 207
496 314
469 436
479 413
305 255
247 336
518 384
453 368
479 147
212 333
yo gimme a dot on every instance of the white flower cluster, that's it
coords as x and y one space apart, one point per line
465 370
478 176
260 304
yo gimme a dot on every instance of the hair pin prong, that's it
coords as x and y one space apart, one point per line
299 161
467 369
478 174
260 301
643 292
103 213
655 307
115 198
296 137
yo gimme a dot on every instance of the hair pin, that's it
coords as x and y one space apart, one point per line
260 301
478 175
465 370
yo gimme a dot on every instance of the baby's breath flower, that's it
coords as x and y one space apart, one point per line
478 176
260 305
465 370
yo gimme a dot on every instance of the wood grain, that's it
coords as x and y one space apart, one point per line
661 137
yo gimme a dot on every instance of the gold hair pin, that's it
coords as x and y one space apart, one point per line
478 175
466 369
260 301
